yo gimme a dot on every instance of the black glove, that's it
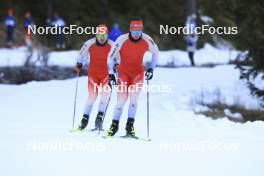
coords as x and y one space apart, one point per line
78 67
112 80
115 67
149 74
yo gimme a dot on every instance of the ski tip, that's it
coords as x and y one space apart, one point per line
144 139
74 130
107 137
136 137
147 139
128 137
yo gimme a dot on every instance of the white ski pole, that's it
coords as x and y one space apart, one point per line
148 109
75 97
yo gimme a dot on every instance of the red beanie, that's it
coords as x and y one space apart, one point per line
101 29
136 25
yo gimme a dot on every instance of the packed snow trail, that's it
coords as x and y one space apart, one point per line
41 113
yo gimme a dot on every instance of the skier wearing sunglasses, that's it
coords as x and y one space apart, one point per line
131 48
96 51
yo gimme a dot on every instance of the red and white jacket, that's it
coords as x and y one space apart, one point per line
95 56
131 54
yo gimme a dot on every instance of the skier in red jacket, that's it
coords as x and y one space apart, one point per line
131 48
96 51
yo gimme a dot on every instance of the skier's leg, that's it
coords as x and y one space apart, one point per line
122 95
132 113
62 41
104 100
133 104
57 39
191 54
134 95
93 92
105 93
10 30
134 91
26 37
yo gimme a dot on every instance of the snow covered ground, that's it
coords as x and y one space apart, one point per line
206 55
35 119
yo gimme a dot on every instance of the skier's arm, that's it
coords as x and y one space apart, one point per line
114 52
111 57
84 52
153 48
154 61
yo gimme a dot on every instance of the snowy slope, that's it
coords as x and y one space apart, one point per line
182 143
206 55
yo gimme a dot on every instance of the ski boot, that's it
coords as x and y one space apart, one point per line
99 121
84 122
130 130
113 129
